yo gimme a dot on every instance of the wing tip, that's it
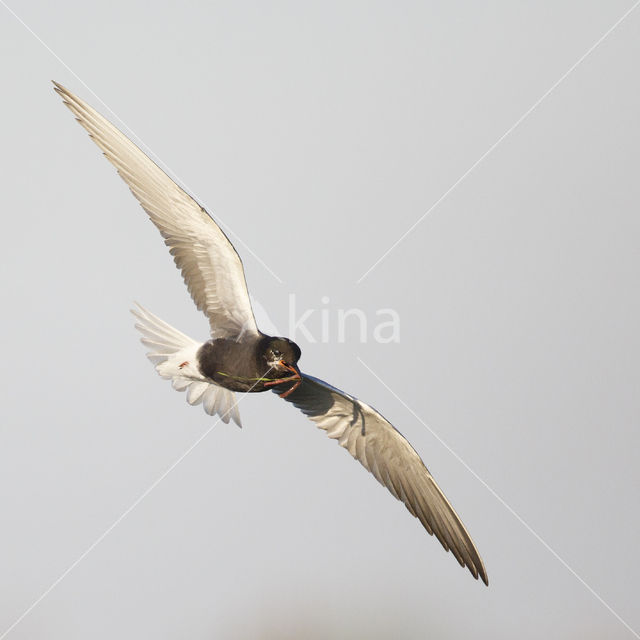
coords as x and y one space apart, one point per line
63 92
478 571
136 308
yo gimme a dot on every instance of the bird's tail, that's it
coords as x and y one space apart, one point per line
175 358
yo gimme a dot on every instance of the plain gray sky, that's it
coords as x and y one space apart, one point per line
320 132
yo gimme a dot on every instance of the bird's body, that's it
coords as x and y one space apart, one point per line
240 366
240 358
236 366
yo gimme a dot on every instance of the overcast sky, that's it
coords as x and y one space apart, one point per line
320 134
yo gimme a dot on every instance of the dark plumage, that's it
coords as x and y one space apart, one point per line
253 366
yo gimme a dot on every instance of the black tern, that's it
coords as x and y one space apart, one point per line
240 358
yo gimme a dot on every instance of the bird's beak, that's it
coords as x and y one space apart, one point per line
292 367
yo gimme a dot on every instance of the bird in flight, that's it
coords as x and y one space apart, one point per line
240 358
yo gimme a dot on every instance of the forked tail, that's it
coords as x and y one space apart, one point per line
174 356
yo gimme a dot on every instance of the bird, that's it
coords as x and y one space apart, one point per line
238 357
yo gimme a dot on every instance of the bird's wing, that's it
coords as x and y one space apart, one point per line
210 266
383 451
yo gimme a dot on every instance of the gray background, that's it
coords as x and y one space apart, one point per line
320 132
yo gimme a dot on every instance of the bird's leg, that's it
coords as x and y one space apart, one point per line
297 378
273 383
293 388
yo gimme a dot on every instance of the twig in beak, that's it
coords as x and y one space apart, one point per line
297 378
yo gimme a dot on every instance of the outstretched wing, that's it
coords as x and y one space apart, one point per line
210 266
384 451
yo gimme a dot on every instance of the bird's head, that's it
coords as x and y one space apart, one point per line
282 355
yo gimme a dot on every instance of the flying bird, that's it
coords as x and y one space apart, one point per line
240 358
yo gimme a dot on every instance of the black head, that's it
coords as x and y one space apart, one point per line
281 350
281 356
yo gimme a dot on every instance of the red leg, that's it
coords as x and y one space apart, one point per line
293 388
272 383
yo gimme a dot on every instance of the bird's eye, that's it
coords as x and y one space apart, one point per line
276 353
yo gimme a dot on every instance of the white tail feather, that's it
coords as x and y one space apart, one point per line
175 358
